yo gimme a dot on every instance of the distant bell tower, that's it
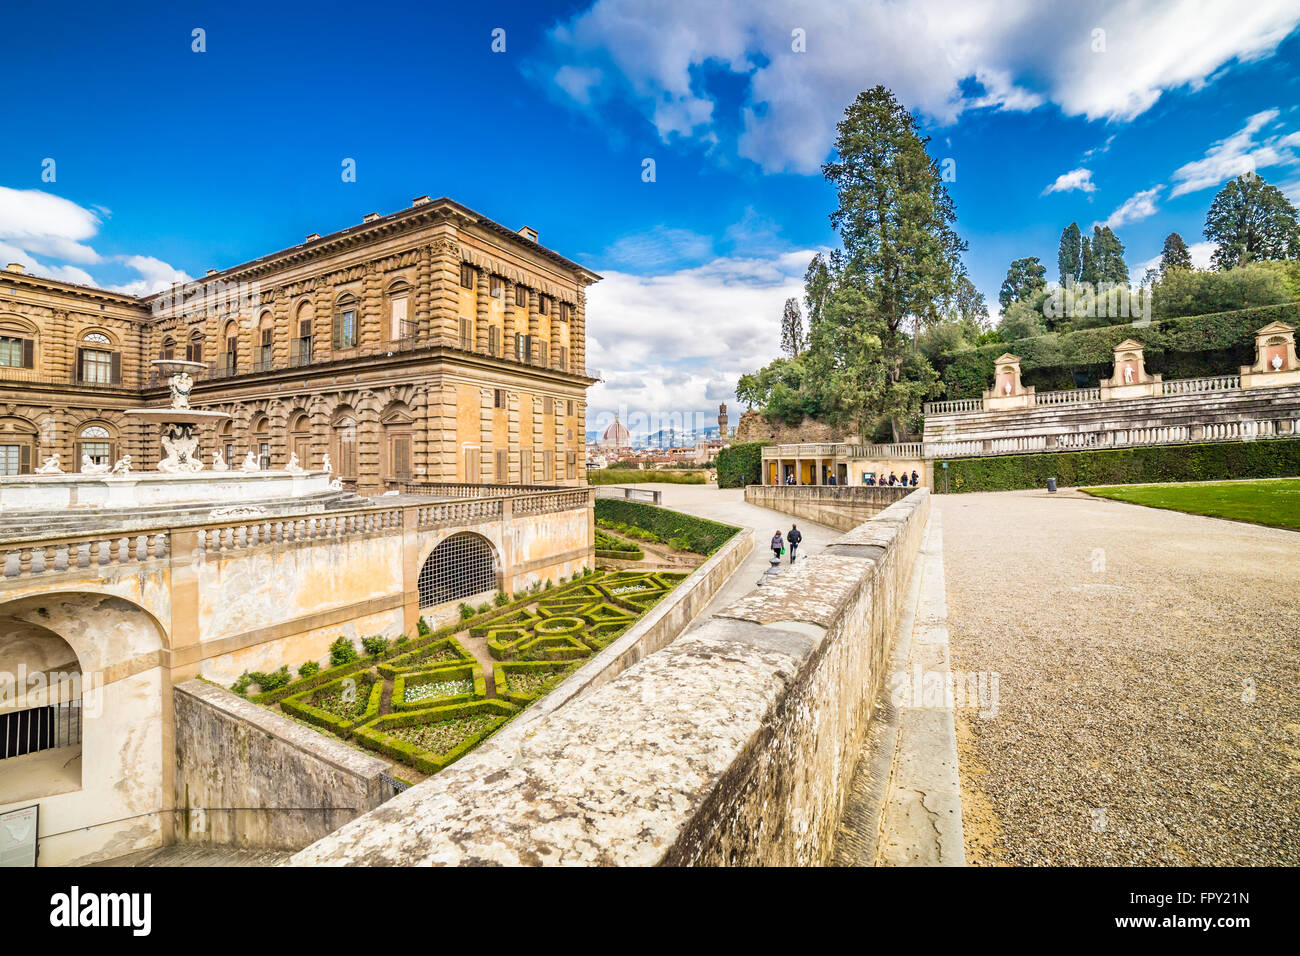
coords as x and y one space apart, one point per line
722 421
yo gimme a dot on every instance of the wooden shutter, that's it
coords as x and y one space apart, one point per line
79 370
502 465
24 459
338 329
402 458
116 375
29 353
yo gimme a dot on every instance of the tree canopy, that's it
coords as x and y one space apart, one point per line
1251 221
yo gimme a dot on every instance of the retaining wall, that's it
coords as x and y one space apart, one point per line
246 776
735 744
842 507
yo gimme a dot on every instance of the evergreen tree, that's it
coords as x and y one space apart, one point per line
792 328
1108 256
1069 255
1251 221
1024 278
1175 254
1088 271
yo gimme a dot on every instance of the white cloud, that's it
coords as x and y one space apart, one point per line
1080 179
1201 252
1137 207
35 223
678 341
941 57
658 248
1237 154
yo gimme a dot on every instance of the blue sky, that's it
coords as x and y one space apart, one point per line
168 162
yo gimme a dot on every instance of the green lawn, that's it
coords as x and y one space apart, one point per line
1275 503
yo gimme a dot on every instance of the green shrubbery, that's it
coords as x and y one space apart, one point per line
610 546
627 476
1273 458
741 465
1186 347
702 535
339 706
342 652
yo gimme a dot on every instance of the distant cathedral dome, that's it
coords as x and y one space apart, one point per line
616 436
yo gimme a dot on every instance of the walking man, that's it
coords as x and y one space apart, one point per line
794 537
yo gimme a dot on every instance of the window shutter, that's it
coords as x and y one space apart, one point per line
24 459
116 375
338 329
29 353
79 372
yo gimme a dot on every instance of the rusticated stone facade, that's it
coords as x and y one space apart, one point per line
431 344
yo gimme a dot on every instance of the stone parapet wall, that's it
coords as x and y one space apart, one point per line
842 507
1205 408
248 777
736 744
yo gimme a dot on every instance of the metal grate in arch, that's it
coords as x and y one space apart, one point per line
462 565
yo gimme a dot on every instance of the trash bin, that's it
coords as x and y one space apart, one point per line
1051 485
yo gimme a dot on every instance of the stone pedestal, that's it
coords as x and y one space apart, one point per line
1007 392
1275 358
1130 378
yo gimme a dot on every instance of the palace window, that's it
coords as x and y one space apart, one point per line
521 296
266 334
498 398
230 358
494 340
571 464
466 334
345 323
466 275
301 345
565 311
96 364
399 326
544 304
194 347
15 459
345 448
563 364
95 442
168 348
548 405
502 464
495 288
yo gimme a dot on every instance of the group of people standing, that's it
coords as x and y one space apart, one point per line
895 480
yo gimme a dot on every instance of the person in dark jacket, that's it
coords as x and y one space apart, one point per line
915 478
794 536
777 545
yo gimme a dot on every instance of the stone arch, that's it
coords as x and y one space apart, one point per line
462 565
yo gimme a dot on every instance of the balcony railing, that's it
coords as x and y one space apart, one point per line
1194 386
1068 396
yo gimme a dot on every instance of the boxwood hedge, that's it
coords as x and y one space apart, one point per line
702 535
375 736
1271 458
303 705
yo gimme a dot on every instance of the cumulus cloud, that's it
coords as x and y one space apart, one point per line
1242 152
36 226
1137 207
1080 179
1103 59
676 342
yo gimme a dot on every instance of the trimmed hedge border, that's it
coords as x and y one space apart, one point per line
502 670
299 707
705 536
410 661
662 476
319 679
1218 461
374 737
471 672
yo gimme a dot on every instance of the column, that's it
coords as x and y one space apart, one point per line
481 319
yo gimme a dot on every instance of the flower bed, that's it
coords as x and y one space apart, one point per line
522 682
445 652
434 737
340 706
432 688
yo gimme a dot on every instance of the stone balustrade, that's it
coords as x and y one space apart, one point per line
47 556
1069 396
1193 386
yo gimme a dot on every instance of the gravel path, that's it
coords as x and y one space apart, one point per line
1147 708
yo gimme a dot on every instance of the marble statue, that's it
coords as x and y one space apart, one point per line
292 466
219 463
182 448
250 463
50 467
326 466
1006 389
336 484
1276 363
181 385
122 466
88 467
1128 374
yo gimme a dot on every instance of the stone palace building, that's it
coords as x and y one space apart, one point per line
428 345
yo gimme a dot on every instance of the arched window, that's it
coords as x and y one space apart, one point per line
265 339
17 446
345 322
399 325
300 345
262 442
229 364
168 350
98 362
461 566
227 441
344 448
97 443
398 425
194 347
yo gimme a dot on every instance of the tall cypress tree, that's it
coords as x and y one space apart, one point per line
1175 254
1069 255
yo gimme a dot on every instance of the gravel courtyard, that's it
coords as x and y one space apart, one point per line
1147 708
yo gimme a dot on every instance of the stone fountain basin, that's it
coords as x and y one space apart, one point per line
151 488
178 416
